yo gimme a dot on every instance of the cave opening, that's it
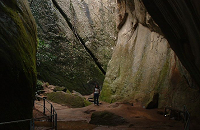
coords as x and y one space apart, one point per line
76 50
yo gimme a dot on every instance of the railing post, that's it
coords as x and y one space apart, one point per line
53 114
185 117
31 124
184 112
188 123
44 105
53 121
56 121
51 111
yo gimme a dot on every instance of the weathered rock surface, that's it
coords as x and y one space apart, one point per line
179 21
18 63
143 64
76 39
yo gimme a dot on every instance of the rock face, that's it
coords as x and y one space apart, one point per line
143 67
18 63
76 38
179 22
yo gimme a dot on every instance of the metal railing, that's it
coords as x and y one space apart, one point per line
181 115
52 117
49 112
20 121
186 119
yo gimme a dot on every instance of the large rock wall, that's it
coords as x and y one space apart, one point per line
17 62
95 23
76 38
179 21
143 67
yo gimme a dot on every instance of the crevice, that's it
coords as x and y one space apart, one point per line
78 36
122 22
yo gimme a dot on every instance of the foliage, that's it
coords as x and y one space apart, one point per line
42 54
68 67
39 85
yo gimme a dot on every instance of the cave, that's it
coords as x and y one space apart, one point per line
137 51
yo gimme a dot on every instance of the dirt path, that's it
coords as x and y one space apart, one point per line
138 118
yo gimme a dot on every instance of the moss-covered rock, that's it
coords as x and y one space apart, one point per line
18 63
57 88
67 99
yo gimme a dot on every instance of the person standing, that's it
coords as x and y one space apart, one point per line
96 95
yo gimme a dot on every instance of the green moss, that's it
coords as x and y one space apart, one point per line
162 76
24 48
107 93
87 103
17 53
57 88
68 91
138 78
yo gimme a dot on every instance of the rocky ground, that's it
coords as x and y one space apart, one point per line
137 117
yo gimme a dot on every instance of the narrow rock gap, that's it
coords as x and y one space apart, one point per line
78 36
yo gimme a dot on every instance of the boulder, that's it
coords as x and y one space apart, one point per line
106 118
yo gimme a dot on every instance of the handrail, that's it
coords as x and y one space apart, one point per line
44 107
53 114
186 116
17 121
53 117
